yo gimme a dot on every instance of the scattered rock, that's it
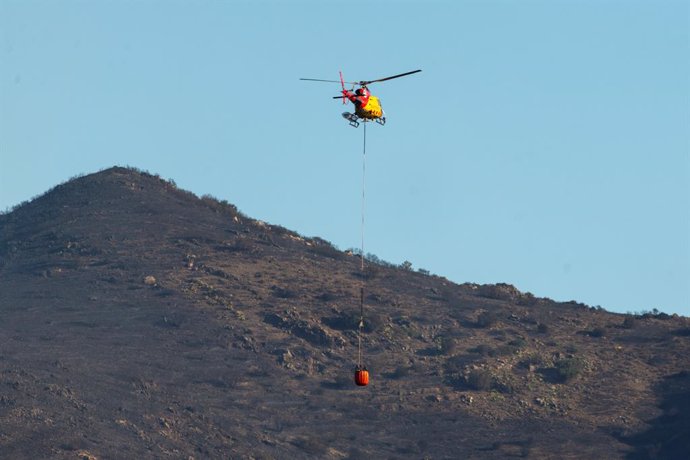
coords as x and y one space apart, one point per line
286 358
86 455
309 330
190 261
150 280
500 291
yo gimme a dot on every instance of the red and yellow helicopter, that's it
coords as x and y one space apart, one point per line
367 106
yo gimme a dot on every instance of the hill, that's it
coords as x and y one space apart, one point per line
140 321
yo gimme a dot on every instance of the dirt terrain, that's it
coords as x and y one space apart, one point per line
140 321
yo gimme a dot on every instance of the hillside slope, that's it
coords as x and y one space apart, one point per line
139 321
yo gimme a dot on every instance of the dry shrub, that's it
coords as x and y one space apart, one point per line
311 446
448 345
487 319
373 322
480 380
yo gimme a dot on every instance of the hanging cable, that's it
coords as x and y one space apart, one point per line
362 274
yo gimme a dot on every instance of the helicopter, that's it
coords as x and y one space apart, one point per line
367 106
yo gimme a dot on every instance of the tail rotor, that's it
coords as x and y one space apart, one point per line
342 83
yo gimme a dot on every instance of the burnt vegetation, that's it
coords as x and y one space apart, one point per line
138 320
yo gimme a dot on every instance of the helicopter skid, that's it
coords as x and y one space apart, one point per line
352 118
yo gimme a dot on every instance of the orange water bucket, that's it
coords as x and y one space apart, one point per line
362 377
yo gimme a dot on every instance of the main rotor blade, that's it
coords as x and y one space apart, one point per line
329 81
389 78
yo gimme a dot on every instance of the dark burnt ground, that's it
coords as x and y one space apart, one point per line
137 320
669 434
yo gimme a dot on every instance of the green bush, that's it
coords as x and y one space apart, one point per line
456 364
509 348
343 321
518 343
326 249
629 322
569 368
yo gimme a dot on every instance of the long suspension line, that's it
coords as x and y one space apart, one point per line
362 274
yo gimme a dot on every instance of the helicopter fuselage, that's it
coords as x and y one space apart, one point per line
366 105
371 110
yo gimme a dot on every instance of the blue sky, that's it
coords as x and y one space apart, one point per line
545 144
